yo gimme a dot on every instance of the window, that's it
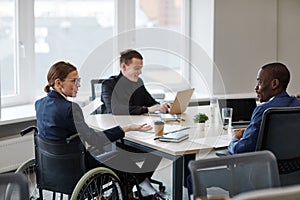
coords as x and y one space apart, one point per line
163 67
159 13
69 30
36 34
7 48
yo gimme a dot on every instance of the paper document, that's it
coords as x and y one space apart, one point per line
214 141
91 107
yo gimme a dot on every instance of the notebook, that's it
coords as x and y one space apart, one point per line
179 105
174 137
242 110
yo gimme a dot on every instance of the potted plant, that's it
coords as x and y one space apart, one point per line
201 118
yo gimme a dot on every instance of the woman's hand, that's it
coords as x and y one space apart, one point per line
137 127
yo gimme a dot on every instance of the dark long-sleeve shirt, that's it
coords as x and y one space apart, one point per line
122 96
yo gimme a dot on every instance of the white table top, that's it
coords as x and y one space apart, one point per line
209 137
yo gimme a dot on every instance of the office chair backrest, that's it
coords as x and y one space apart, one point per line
96 91
231 175
280 134
18 184
96 87
60 164
280 193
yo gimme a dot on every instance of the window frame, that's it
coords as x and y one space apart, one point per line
24 54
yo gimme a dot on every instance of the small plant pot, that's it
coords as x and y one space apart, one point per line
201 126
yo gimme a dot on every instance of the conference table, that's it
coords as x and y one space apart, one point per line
199 145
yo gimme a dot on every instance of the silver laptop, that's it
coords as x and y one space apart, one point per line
179 105
181 101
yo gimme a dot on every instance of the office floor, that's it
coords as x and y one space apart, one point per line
163 173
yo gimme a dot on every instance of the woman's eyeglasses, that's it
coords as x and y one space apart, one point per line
75 80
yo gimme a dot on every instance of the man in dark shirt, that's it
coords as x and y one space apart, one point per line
125 93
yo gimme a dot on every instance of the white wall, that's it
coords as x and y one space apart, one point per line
245 39
246 35
289 40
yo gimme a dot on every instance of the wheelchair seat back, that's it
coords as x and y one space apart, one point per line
60 165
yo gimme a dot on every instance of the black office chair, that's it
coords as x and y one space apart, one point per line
60 167
18 184
96 91
231 175
280 134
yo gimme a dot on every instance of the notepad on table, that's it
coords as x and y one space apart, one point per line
174 137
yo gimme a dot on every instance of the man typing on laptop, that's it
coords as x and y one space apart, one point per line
126 93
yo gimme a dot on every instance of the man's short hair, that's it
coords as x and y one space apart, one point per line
127 55
278 71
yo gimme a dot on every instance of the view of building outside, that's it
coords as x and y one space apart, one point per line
160 13
70 29
167 15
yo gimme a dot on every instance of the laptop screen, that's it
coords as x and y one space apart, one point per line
181 101
242 108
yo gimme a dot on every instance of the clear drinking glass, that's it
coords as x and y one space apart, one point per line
227 118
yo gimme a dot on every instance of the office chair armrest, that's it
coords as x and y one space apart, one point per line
72 137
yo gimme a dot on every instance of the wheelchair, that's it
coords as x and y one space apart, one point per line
59 167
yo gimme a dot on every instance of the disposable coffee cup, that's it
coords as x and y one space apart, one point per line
159 128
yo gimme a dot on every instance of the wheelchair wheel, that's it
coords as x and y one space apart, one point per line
28 168
99 183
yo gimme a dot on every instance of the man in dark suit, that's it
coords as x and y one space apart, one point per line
272 82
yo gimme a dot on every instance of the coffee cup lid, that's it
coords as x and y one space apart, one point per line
158 122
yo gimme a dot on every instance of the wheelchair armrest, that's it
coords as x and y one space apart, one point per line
72 137
28 130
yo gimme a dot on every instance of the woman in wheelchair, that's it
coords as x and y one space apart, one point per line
58 118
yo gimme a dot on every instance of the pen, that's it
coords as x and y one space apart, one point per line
182 129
